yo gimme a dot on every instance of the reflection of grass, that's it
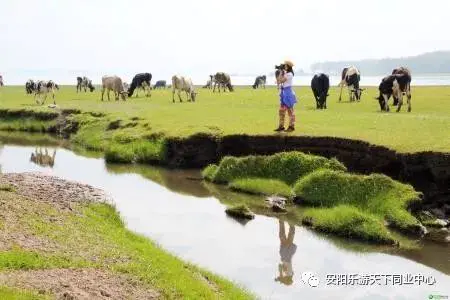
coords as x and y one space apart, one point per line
94 235
262 186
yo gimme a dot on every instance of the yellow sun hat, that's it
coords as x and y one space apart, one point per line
289 63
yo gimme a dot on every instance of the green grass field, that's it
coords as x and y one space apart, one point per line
255 112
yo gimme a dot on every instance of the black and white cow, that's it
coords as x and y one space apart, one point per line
406 72
84 83
320 84
350 77
160 84
43 88
30 87
260 81
141 80
394 85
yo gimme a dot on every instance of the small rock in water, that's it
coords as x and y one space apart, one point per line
277 203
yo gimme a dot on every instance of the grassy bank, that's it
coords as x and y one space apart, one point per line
107 125
91 237
350 205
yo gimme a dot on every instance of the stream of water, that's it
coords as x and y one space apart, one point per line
186 217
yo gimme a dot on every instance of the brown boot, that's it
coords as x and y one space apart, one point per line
280 128
290 128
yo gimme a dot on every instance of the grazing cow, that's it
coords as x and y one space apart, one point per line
85 83
222 79
320 84
260 81
113 83
1 80
126 86
394 85
43 88
184 84
30 87
350 77
207 85
406 72
160 84
42 158
141 80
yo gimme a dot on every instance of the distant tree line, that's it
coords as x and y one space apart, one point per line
433 62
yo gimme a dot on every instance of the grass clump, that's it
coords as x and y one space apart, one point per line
376 193
146 151
348 221
7 188
262 186
209 172
19 294
286 166
240 211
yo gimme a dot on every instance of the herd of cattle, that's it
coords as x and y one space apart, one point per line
395 85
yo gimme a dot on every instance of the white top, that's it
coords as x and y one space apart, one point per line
289 76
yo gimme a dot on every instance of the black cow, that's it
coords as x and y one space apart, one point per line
160 84
30 87
1 80
260 81
394 85
350 77
320 84
141 80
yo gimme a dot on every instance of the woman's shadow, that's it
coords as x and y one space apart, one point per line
287 251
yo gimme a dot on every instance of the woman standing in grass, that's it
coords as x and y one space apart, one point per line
287 97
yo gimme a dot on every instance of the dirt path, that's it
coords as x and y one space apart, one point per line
34 194
78 284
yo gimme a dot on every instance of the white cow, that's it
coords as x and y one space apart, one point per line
184 84
113 83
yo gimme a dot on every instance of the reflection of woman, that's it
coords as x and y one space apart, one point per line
287 251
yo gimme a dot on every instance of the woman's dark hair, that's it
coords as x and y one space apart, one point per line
289 69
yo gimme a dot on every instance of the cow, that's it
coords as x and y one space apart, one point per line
403 70
1 80
126 86
30 87
394 85
84 83
113 83
160 84
320 84
222 79
208 85
184 84
141 80
42 89
350 77
260 81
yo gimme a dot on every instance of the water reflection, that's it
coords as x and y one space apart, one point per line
43 158
287 251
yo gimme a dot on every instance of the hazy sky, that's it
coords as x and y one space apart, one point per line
199 37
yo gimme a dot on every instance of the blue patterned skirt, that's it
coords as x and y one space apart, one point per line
287 97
